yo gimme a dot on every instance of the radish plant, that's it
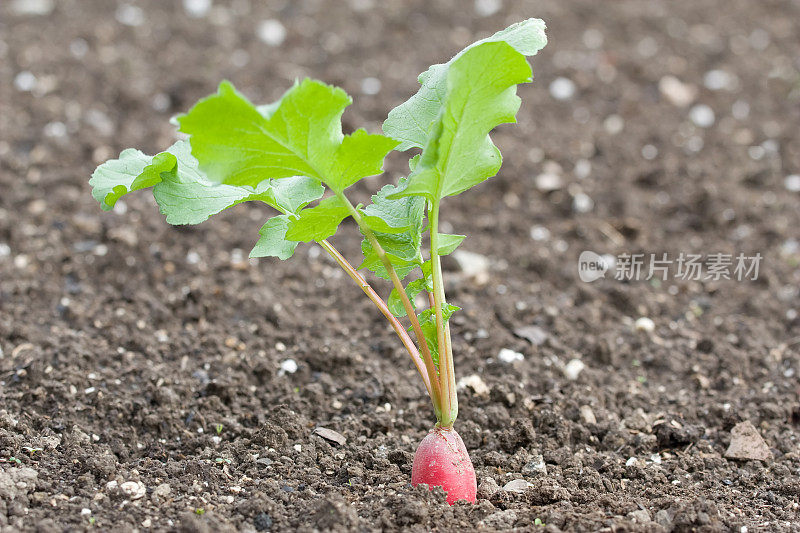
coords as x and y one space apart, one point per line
292 156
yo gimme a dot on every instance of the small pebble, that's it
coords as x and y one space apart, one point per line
747 444
717 80
587 415
25 81
562 88
792 183
547 182
676 92
702 116
197 8
271 32
535 466
487 8
298 448
288 366
509 356
476 383
133 489
517 485
32 7
614 124
370 86
631 461
582 203
331 435
644 324
129 15
583 167
472 265
86 511
573 369
540 233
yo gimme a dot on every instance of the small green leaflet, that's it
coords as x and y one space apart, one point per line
395 304
427 321
481 94
318 223
272 241
186 196
448 243
411 121
299 135
397 225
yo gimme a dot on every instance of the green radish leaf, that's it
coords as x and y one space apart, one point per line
395 304
481 94
273 241
299 135
427 322
185 196
395 248
318 223
411 121
360 155
397 225
183 193
448 243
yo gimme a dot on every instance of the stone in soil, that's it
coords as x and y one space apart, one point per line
747 444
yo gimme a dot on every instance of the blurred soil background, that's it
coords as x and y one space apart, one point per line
153 378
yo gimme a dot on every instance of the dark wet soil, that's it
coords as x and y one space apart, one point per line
140 382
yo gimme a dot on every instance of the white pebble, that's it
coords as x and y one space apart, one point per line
86 511
562 88
475 382
676 92
614 124
631 461
25 81
509 356
517 485
78 48
582 203
197 8
583 167
129 15
792 183
649 152
133 489
702 116
655 459
271 32
55 130
370 86
540 233
487 8
593 38
298 448
5 250
548 181
32 7
644 324
471 264
573 369
717 80
288 366
740 110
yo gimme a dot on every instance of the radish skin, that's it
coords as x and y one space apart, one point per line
442 461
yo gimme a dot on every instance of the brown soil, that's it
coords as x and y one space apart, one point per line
132 351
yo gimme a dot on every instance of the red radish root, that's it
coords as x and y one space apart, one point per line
442 461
